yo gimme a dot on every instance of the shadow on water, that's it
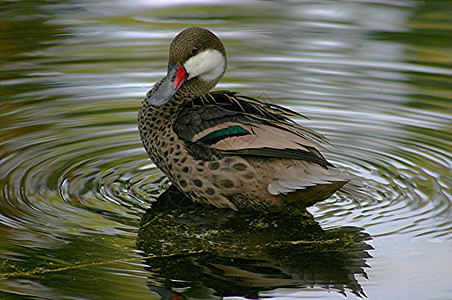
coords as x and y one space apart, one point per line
201 252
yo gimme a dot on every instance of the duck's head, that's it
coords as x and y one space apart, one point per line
197 61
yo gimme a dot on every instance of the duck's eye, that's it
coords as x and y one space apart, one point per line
194 50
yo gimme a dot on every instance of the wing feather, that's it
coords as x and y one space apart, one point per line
226 124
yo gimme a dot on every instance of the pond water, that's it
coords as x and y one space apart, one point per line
375 77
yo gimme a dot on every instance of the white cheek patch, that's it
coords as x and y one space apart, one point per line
208 65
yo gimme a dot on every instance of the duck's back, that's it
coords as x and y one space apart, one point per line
233 151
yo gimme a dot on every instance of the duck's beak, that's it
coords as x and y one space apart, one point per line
174 79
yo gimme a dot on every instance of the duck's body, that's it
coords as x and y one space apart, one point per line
227 150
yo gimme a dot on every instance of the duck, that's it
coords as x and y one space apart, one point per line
224 149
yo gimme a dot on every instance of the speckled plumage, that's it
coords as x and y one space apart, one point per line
227 150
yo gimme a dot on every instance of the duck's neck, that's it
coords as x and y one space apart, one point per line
188 91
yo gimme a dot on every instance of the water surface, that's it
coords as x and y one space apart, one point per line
75 182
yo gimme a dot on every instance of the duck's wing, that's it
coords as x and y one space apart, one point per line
223 123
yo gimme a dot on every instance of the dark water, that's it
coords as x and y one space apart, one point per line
75 182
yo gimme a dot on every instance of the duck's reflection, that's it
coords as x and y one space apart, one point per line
199 252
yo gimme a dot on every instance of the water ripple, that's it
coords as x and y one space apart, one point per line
405 164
